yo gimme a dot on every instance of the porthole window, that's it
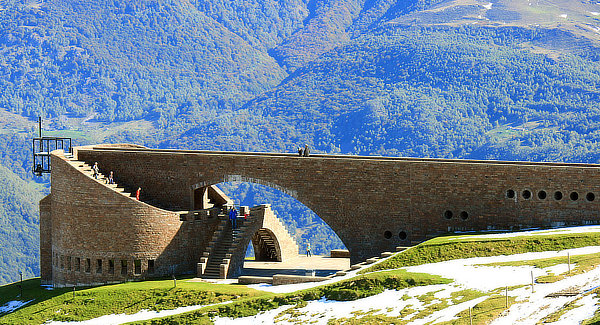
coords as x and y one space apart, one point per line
387 234
402 235
590 196
448 214
558 195
464 215
526 194
574 196
510 194
542 195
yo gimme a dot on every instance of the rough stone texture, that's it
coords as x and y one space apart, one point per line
246 279
373 203
262 220
340 253
92 222
46 240
286 245
280 279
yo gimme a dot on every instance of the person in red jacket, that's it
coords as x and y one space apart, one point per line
137 193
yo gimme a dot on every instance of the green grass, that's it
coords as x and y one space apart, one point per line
131 297
483 312
352 289
431 305
595 320
455 247
555 317
584 263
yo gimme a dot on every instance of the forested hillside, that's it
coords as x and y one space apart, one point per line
506 79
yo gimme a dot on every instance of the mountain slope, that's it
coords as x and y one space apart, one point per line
19 233
433 91
501 79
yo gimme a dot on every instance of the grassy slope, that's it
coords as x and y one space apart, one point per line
157 295
61 305
451 247
19 233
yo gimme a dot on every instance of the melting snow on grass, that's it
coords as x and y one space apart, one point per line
115 319
529 307
12 306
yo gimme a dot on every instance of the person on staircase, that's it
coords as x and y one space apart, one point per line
233 217
96 170
111 180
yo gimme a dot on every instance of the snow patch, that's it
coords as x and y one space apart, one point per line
531 307
449 313
559 269
488 6
144 314
563 16
570 230
579 314
594 13
11 306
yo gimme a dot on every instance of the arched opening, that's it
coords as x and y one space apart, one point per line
280 246
265 246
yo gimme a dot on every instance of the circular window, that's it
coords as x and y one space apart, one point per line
558 195
542 195
387 234
448 214
574 196
402 235
510 194
527 194
464 215
590 196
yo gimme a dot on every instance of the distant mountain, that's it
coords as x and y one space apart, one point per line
19 232
517 80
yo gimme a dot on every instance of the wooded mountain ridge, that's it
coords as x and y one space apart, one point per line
511 80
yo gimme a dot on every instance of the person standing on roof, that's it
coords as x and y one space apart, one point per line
96 170
306 150
137 193
233 217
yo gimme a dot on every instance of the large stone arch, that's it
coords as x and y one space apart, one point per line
241 178
373 203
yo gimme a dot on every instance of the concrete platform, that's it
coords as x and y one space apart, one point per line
322 265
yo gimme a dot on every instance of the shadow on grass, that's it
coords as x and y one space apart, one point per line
32 290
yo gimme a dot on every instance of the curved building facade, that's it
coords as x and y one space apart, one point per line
93 232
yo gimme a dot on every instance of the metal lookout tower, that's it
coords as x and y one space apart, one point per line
42 146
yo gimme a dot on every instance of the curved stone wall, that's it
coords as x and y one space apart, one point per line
99 235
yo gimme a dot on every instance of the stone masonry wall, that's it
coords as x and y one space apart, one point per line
287 245
101 236
373 203
46 239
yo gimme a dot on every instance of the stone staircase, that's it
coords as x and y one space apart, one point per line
214 263
86 169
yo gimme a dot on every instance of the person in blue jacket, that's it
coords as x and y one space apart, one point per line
233 217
